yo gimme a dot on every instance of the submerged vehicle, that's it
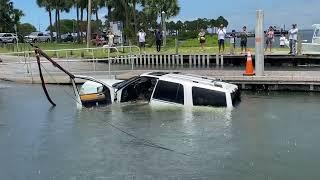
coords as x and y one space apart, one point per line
157 88
160 88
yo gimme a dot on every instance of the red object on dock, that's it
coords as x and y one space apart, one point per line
249 66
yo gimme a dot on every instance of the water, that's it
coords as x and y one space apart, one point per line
268 136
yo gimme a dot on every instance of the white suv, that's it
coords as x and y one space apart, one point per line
8 38
38 37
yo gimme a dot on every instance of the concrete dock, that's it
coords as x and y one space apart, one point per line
12 69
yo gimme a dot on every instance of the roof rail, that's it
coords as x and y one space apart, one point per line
213 82
203 77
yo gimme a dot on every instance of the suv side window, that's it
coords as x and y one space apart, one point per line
170 92
40 34
205 97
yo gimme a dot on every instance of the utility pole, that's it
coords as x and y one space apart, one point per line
164 28
89 24
259 55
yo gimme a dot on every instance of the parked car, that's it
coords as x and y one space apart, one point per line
38 37
8 38
67 38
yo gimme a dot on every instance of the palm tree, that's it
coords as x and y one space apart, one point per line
61 6
76 4
170 7
47 4
97 4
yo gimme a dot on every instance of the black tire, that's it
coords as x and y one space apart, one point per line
34 40
48 40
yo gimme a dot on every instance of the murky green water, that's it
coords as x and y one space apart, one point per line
268 136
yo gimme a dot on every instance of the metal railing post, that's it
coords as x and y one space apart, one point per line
93 60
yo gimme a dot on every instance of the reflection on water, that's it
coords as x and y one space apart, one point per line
268 136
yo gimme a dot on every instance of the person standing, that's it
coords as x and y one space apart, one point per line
270 38
221 35
142 39
282 41
232 42
293 37
110 38
244 39
158 36
202 38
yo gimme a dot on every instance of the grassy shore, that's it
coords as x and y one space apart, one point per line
190 46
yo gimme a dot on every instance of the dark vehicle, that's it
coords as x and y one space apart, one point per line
67 38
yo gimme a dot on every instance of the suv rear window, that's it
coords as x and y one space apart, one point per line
205 97
170 92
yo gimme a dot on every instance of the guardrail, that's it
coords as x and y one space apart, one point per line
62 56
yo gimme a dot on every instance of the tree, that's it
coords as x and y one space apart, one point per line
25 29
48 5
221 20
170 7
68 25
9 16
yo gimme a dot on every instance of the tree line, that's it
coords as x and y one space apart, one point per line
135 15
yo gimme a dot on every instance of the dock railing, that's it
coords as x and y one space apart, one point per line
101 60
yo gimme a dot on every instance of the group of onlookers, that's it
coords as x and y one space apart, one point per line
222 34
293 37
243 35
158 39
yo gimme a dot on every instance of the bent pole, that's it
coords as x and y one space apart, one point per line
40 52
42 80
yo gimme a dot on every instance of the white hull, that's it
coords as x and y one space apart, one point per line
308 48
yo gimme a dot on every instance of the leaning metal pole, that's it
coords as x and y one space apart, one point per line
39 53
259 38
42 79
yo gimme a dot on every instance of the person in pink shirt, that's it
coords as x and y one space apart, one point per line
270 38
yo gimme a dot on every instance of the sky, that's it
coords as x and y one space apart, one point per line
237 12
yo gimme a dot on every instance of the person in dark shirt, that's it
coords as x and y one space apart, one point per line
233 42
158 36
244 39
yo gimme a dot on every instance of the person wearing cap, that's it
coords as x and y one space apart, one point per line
293 37
244 39
233 41
221 35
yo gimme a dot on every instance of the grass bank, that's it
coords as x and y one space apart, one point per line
190 46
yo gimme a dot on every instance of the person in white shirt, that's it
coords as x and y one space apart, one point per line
142 39
221 35
110 38
293 37
282 41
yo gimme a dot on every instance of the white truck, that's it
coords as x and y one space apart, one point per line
8 38
38 37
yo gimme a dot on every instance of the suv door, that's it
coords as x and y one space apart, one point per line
93 92
138 88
